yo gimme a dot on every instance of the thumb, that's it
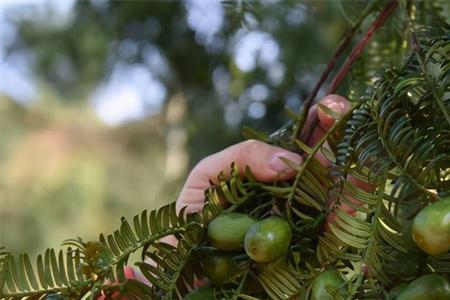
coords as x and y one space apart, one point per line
336 103
263 159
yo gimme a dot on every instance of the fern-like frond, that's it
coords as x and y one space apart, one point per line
429 20
87 267
278 281
364 180
169 262
311 184
149 229
53 275
363 229
439 263
398 141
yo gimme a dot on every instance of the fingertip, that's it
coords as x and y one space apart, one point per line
267 163
341 104
129 273
282 165
284 161
338 104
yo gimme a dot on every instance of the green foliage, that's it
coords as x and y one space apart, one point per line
390 156
89 268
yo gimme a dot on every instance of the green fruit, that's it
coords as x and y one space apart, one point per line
427 287
218 267
227 231
397 290
431 228
330 278
268 239
203 293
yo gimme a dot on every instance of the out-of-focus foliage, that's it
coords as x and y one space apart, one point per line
64 173
406 106
69 174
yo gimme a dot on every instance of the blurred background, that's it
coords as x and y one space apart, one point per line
106 105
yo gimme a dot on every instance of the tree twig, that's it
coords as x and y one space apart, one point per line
358 49
342 45
339 77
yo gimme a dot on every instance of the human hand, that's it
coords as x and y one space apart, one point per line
263 159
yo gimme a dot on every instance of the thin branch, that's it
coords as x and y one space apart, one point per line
342 45
312 95
358 49
338 78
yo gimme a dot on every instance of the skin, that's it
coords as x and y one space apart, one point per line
263 159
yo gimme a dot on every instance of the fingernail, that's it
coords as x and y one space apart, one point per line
336 103
279 166
336 107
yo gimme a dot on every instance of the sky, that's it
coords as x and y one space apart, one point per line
132 92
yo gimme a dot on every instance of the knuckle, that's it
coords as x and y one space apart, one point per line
251 144
248 147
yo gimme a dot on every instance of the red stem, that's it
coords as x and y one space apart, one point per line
312 95
340 75
342 45
358 49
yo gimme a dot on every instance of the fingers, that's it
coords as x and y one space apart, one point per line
338 104
341 106
367 187
263 159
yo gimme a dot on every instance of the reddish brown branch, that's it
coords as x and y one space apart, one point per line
342 45
358 49
340 75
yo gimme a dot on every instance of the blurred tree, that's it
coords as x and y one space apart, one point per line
198 48
229 64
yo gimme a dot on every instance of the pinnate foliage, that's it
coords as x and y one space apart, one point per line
389 156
